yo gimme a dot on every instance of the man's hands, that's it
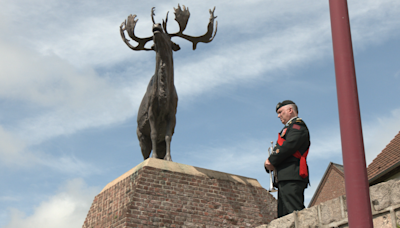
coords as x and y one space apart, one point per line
268 165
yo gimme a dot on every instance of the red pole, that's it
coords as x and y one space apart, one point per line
357 187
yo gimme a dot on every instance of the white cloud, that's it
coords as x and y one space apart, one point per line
298 42
15 154
71 99
62 100
11 149
68 208
253 59
379 133
92 40
373 21
325 144
66 60
46 80
59 72
69 164
237 157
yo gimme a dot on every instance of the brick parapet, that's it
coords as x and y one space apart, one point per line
154 197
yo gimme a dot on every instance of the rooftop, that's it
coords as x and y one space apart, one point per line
388 158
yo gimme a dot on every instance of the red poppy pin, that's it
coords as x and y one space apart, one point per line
283 132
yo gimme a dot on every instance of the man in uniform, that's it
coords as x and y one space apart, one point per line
288 160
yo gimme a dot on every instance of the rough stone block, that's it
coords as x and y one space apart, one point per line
308 218
344 201
395 196
331 211
285 221
380 196
398 217
383 221
383 195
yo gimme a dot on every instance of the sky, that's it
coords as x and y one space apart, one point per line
70 90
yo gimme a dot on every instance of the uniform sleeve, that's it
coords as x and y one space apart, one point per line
294 139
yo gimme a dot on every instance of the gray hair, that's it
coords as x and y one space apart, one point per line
294 107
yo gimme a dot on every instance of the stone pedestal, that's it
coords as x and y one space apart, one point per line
158 193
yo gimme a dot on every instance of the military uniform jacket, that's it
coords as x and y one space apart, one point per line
295 137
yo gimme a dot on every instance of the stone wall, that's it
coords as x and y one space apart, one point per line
159 193
385 205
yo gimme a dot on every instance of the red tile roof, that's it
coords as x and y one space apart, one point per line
386 159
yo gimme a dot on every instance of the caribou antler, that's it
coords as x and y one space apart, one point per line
153 14
164 23
130 28
182 17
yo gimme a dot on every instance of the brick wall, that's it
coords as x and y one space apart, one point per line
166 194
333 187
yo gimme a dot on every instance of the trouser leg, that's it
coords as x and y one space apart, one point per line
290 197
281 210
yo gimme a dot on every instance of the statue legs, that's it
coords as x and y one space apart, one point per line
145 144
168 136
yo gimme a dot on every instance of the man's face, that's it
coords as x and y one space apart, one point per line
285 113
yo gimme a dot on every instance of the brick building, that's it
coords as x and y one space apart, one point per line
386 166
331 185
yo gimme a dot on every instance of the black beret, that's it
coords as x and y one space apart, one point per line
283 103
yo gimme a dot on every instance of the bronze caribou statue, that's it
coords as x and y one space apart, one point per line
156 116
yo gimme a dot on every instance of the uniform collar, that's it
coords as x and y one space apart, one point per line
290 121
